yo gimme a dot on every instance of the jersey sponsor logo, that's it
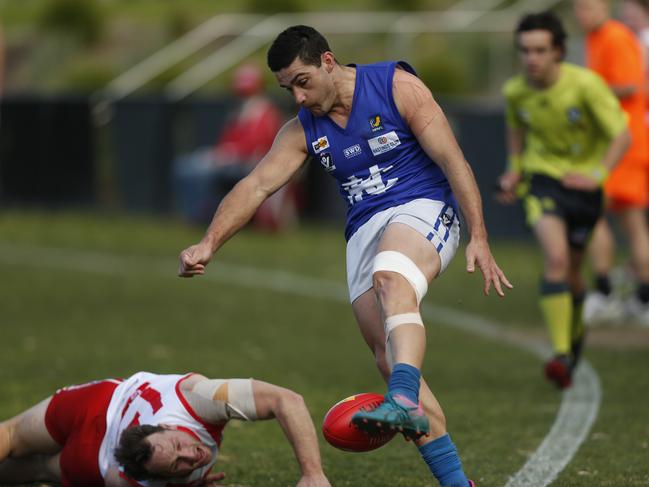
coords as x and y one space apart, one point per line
321 144
353 151
327 162
375 123
573 114
373 184
384 143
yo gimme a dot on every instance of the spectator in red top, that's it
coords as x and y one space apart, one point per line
203 177
250 133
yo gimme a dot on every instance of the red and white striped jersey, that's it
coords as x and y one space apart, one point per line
146 398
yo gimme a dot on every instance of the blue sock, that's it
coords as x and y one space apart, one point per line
443 461
405 381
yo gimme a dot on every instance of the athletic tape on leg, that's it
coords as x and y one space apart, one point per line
393 321
392 261
388 354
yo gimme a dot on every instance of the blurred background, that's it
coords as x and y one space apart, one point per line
123 121
119 105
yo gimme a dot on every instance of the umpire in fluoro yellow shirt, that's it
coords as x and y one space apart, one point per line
565 131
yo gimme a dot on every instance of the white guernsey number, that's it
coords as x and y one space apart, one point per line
373 184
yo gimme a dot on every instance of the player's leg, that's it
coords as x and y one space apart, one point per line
368 317
26 435
30 468
437 449
583 210
602 250
396 295
634 222
397 300
555 300
601 306
404 264
577 286
370 324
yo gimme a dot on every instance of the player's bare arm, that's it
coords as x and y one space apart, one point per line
509 180
429 125
292 414
217 401
616 149
279 165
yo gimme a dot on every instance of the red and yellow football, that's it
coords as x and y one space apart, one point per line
339 431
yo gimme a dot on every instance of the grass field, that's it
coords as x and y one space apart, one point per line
89 296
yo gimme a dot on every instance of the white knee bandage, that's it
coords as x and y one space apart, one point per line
392 261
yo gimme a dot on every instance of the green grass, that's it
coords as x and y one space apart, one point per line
60 326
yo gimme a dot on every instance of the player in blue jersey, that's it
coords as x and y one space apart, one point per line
378 131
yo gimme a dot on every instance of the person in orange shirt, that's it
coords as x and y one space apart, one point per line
614 52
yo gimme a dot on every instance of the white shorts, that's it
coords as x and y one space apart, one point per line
435 220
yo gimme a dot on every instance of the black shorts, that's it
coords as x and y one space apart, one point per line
579 209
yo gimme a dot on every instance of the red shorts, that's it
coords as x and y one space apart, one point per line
76 420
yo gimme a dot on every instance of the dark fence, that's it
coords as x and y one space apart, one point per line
49 154
141 150
46 151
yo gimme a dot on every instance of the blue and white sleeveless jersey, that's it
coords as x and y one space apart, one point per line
376 159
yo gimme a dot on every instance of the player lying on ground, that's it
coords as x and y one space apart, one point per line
378 131
148 430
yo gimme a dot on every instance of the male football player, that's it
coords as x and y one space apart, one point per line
378 131
565 132
148 430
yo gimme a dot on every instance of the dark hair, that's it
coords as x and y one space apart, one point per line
544 21
134 451
298 41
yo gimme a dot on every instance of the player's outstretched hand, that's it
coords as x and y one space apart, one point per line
315 480
506 187
478 253
194 259
212 479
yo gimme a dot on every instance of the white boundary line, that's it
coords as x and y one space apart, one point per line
579 404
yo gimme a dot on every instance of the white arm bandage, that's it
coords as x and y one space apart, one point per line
219 400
